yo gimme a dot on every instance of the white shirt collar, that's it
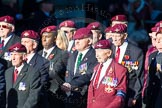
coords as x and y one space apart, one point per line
123 48
104 69
70 45
83 52
19 68
48 51
7 39
30 57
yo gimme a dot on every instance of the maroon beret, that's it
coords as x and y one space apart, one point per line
7 19
67 23
103 44
155 29
119 18
18 47
94 26
82 33
159 30
108 30
119 28
49 29
30 34
158 24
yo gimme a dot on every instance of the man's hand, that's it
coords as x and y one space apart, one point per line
66 87
131 102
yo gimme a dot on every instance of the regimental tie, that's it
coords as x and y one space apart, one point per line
1 45
79 60
117 55
44 54
98 75
15 75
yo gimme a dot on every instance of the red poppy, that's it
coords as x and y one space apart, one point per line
51 56
73 49
126 57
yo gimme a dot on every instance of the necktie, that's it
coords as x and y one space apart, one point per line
15 75
2 44
117 55
79 60
98 75
44 54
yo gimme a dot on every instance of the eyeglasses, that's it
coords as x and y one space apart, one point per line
5 26
67 32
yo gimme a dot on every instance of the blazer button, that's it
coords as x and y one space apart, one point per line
153 83
93 100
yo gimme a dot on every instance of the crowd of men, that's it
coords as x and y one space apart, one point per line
95 71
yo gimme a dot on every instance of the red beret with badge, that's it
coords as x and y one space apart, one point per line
94 26
119 28
82 33
7 19
108 30
30 34
67 23
49 29
119 18
18 47
103 44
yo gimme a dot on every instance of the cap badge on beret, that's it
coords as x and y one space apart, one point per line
5 20
48 30
99 45
93 26
26 34
117 18
116 30
66 24
16 48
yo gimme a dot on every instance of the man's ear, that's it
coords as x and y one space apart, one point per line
24 56
35 44
125 35
12 28
89 41
100 36
109 52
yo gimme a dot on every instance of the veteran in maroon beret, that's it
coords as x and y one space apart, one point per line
23 86
58 62
69 27
7 38
96 29
79 69
131 57
122 19
108 82
119 19
30 39
152 48
152 97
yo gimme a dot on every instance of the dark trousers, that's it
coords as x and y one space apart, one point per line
56 100
76 100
